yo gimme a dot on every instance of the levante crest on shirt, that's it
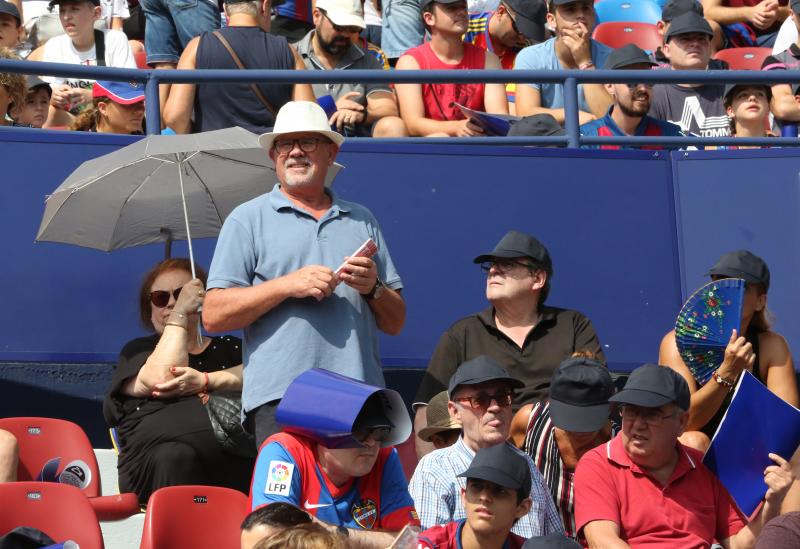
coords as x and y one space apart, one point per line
365 513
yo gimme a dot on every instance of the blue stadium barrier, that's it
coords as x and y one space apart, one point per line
570 79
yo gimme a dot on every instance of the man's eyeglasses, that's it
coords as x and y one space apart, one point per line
652 416
504 265
648 85
482 401
307 144
339 28
160 298
378 434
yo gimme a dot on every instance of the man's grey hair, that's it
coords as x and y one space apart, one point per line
247 8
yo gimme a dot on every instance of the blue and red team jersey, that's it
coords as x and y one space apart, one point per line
448 536
649 126
299 10
478 34
287 470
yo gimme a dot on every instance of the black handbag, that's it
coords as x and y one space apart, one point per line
224 410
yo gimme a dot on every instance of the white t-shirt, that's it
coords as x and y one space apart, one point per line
61 50
112 8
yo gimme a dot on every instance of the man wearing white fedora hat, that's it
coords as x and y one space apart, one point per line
361 109
273 273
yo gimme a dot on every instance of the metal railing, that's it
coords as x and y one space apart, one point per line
570 79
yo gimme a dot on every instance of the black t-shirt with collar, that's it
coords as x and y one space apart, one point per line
559 333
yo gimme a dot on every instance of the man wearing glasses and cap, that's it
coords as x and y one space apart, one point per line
480 392
273 273
348 478
645 489
496 496
627 116
518 330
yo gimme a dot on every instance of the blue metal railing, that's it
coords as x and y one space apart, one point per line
570 79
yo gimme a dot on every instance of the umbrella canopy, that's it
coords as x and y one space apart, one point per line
135 195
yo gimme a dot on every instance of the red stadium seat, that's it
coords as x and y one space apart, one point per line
59 510
616 34
54 450
744 59
407 452
199 517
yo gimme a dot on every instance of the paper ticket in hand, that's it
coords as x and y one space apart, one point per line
367 249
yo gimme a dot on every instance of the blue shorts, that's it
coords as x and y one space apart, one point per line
402 27
172 23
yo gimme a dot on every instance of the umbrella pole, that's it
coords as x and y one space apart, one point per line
180 159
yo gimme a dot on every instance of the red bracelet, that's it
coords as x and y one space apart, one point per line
205 388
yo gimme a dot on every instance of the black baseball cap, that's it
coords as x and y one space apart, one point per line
742 264
565 2
687 23
503 465
372 415
652 386
675 8
531 17
730 88
626 56
517 244
480 370
552 541
542 124
10 9
579 393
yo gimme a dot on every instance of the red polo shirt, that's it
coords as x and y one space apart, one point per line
691 511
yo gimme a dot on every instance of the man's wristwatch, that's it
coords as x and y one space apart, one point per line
342 531
376 291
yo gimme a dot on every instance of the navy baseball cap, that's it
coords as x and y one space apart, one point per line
675 8
579 393
124 93
651 386
688 23
742 264
10 9
552 541
480 370
730 88
503 465
425 3
517 244
626 56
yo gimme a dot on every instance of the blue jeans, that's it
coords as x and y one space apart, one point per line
172 23
402 27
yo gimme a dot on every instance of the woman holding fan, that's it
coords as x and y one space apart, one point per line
754 348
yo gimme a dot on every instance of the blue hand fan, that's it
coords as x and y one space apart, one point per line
703 327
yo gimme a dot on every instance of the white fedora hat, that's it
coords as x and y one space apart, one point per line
345 13
300 116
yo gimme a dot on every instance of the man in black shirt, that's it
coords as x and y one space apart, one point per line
527 337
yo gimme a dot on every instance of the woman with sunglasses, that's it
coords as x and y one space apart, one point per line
157 395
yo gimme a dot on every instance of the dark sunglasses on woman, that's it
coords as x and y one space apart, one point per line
160 298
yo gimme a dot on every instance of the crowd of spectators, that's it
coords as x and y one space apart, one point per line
400 34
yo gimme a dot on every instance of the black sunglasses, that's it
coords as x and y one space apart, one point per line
160 298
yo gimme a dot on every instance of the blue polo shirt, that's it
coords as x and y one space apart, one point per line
649 126
269 237
542 57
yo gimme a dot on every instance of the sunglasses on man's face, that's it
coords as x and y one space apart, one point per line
378 434
160 298
482 401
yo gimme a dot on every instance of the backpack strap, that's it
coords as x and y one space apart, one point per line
239 64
